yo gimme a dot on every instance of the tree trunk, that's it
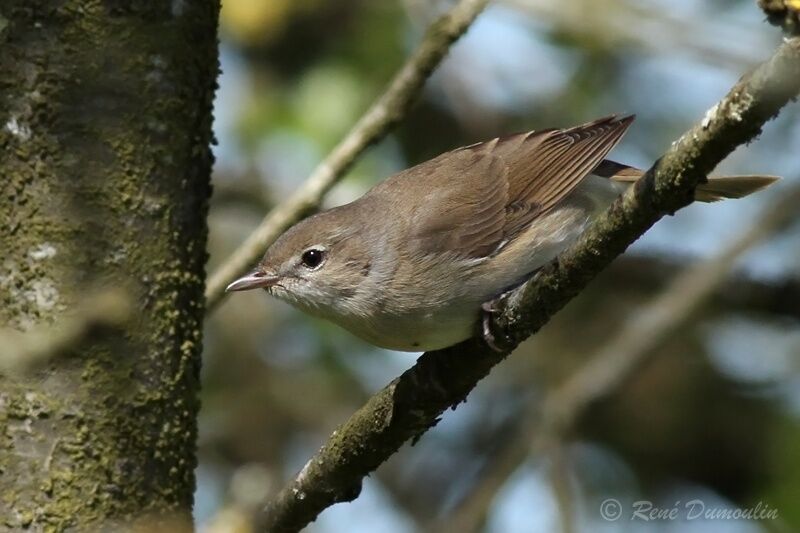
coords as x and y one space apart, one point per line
105 127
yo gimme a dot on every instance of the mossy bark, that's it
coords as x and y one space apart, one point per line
105 127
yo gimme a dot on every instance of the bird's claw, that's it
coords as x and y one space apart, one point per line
488 310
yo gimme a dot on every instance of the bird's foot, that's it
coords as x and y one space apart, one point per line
492 307
488 311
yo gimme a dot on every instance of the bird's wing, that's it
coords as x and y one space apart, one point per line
487 193
544 167
462 208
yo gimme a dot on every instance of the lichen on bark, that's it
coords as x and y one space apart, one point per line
105 127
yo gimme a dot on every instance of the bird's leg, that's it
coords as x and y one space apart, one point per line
492 307
488 310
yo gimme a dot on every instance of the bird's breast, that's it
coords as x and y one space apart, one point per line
416 332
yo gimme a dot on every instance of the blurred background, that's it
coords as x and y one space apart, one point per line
713 414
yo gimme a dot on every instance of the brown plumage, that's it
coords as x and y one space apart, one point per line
408 265
490 192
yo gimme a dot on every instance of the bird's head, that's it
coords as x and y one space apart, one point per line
316 265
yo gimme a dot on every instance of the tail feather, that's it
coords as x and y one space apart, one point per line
723 187
715 189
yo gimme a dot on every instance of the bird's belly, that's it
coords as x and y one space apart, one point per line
436 311
418 332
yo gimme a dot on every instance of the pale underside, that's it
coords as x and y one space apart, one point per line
502 209
412 261
447 311
409 264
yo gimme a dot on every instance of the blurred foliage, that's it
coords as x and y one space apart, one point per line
297 74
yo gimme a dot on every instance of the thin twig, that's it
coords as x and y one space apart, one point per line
20 351
649 326
413 402
373 125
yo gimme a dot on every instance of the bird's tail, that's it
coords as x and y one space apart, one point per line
722 187
716 188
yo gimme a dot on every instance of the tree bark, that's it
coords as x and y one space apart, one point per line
105 127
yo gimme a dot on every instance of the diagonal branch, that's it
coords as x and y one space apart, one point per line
656 321
670 310
667 187
413 402
387 110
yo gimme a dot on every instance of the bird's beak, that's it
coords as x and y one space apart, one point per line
256 279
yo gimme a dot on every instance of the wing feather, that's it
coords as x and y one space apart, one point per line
549 165
486 194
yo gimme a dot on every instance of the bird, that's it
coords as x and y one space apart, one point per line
414 263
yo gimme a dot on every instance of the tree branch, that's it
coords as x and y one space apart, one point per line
656 321
413 402
667 187
648 327
376 122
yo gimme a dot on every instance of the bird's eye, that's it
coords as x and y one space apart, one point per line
312 258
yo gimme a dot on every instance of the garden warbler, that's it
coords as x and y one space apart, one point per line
411 264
